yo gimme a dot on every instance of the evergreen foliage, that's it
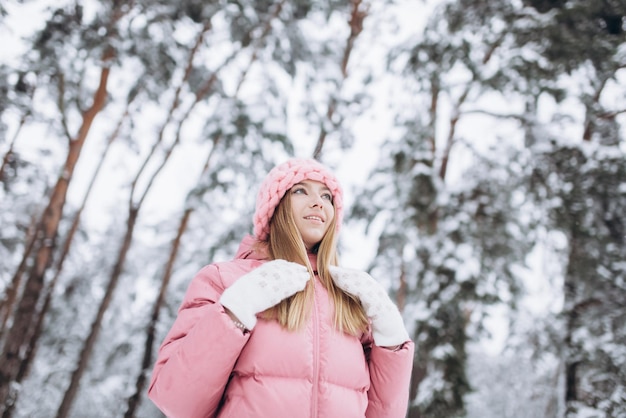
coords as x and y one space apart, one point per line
472 143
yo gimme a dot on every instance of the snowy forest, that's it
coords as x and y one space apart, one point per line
480 143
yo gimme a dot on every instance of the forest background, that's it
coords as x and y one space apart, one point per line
480 144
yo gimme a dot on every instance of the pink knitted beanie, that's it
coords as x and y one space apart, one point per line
280 179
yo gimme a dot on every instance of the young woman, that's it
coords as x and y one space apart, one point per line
281 331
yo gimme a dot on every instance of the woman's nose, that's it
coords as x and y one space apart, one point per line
317 201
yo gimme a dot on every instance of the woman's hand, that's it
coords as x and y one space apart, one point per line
263 288
387 324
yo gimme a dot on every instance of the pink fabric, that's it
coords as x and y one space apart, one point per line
280 179
206 367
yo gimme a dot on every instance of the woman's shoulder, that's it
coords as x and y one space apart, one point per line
219 275
229 271
222 274
214 278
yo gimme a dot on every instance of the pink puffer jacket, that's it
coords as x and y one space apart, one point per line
207 367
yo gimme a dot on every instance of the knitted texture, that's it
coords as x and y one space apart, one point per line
280 179
263 288
387 323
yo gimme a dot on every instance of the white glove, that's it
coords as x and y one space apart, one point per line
387 324
263 288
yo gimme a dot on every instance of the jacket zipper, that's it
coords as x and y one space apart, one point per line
316 348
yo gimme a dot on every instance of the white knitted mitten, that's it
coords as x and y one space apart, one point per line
387 324
263 288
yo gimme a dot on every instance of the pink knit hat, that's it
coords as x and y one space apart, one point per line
280 179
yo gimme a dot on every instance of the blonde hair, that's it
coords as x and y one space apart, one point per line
285 242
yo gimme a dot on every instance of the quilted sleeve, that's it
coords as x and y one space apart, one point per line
390 376
196 358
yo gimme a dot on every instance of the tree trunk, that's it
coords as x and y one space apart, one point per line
146 364
10 294
72 390
22 330
32 344
569 294
357 16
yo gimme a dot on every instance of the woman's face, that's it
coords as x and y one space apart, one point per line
312 209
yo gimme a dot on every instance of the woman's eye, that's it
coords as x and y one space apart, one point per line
299 190
327 196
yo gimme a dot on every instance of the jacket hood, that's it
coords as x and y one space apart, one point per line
248 250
